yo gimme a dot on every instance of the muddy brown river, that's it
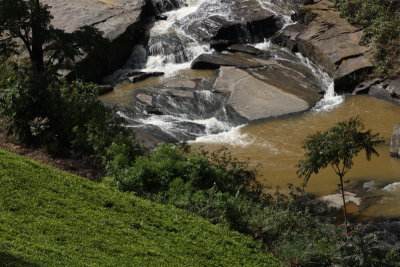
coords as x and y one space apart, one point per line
276 145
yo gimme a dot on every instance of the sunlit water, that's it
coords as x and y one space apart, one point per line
276 145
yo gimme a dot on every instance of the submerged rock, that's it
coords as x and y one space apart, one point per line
236 20
335 201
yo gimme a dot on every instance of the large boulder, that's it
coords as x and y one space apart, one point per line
331 42
395 142
119 20
251 99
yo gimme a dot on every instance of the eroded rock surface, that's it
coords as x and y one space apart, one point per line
331 42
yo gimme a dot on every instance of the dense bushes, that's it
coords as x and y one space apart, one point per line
380 20
224 191
44 111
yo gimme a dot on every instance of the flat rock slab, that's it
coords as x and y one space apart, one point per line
112 17
252 99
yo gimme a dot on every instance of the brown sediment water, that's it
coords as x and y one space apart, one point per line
276 144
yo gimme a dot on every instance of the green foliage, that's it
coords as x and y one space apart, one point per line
337 147
154 173
380 20
51 218
224 191
25 99
362 249
60 116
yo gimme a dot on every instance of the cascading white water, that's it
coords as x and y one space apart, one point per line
173 46
330 99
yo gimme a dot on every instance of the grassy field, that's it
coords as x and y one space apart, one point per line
52 218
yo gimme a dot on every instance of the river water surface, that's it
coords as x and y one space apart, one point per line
276 145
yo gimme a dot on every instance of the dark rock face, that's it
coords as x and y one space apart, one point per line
331 42
395 142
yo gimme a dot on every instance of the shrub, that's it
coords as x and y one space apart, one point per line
61 116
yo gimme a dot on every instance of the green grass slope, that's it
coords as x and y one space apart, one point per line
52 218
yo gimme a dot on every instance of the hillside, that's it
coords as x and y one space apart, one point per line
52 218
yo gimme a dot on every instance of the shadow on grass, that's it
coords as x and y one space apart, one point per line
9 260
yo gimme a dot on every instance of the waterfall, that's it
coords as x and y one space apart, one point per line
330 99
177 40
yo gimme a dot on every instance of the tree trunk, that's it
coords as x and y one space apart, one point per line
37 37
344 205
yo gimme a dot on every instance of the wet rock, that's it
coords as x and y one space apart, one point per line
251 99
387 90
364 87
104 89
395 142
129 75
249 32
119 20
162 6
238 59
287 37
246 49
220 45
236 18
144 99
134 77
180 93
331 42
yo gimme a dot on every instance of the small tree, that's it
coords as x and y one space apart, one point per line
337 147
26 23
